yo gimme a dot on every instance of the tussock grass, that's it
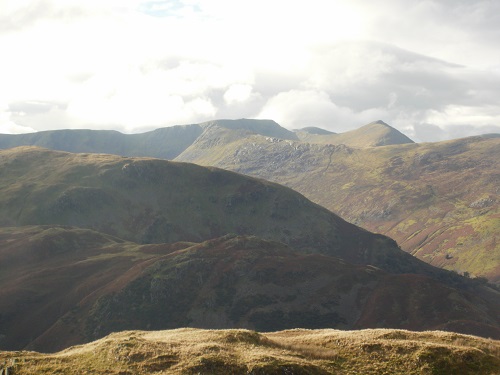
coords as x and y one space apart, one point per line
195 351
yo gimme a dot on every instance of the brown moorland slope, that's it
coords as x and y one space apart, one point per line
195 351
61 286
439 201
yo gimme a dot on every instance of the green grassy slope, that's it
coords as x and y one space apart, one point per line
439 201
154 201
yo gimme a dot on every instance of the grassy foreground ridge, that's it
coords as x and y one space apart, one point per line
298 351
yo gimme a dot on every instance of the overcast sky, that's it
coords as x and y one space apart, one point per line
429 68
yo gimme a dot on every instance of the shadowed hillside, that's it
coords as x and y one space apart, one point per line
61 286
194 351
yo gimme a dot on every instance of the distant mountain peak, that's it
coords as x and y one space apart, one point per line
376 133
382 134
379 122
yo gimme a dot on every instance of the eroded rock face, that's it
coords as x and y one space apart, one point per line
483 203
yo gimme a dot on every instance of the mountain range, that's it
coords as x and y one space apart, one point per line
92 244
439 201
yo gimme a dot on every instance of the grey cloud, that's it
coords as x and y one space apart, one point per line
270 83
425 132
34 107
370 76
476 16
55 118
428 133
362 75
471 16
460 131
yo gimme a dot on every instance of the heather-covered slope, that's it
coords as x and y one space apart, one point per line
48 271
60 286
439 201
262 285
195 351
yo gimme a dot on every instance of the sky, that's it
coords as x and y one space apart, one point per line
429 68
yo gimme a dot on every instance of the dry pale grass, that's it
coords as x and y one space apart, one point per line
195 351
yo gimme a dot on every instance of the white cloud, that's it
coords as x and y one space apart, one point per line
237 93
10 127
132 64
131 100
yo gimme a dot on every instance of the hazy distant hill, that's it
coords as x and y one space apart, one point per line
375 134
439 201
167 143
61 286
164 143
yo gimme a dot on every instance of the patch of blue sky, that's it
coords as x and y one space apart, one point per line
162 8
